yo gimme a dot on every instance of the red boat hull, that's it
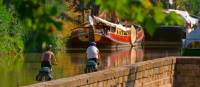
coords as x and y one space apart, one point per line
79 39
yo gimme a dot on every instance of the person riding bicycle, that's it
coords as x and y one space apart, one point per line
92 57
92 52
46 65
48 57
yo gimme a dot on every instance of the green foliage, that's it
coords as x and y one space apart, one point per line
39 16
10 29
173 15
192 6
140 12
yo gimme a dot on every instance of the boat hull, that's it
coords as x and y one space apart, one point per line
105 40
82 40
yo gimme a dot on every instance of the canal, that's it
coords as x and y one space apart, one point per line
21 70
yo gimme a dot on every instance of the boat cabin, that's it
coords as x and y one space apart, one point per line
106 27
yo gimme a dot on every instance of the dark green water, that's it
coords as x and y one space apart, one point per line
21 70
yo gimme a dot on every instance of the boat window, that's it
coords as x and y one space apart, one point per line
112 29
121 32
125 33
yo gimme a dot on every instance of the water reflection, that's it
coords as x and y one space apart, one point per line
69 64
159 52
124 57
10 70
22 71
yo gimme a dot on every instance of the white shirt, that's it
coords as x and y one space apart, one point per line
92 52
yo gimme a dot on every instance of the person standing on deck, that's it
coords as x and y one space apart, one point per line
47 57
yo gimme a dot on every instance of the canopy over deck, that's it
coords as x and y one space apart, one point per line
111 24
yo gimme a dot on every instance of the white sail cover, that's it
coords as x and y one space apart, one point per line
185 15
112 24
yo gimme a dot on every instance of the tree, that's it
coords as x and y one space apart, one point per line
141 12
192 6
40 18
10 31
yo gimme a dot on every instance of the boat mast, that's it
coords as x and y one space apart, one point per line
91 29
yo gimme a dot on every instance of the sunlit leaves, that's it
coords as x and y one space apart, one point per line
10 29
192 6
139 15
5 18
28 22
150 26
41 18
34 11
179 20
53 10
140 11
158 15
146 4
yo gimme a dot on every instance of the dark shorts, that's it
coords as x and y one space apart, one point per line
46 64
94 59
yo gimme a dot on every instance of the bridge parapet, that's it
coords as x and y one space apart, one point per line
165 72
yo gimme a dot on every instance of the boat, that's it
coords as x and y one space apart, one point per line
161 35
191 44
107 34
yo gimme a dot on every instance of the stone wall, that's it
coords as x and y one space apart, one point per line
187 72
162 72
156 73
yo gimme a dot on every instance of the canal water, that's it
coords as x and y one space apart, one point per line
21 70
